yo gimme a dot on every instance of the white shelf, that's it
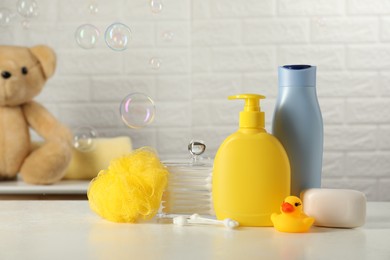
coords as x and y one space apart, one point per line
64 187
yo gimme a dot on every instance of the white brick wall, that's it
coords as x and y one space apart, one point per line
220 48
309 7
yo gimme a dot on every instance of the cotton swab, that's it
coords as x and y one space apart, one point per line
196 219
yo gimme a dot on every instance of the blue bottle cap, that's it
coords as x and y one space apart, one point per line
297 76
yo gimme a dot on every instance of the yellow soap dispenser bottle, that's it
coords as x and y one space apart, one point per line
251 172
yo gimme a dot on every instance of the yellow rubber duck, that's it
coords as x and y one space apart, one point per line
292 219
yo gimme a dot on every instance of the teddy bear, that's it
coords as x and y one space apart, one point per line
24 72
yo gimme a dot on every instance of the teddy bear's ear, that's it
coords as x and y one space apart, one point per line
46 57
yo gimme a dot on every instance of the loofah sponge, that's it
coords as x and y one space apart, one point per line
130 189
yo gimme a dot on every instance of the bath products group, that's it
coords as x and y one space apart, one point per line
254 171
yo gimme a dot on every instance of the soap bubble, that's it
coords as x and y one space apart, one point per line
320 21
156 6
137 110
86 36
117 36
93 8
84 138
167 36
25 24
27 8
5 17
155 63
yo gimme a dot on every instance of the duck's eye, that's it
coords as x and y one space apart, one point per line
297 204
24 70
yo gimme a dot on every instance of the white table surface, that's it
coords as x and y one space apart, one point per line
70 230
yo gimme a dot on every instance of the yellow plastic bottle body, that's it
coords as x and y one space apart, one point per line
251 177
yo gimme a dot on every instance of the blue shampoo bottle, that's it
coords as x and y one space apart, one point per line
298 125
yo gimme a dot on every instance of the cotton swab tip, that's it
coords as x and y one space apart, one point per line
180 220
230 223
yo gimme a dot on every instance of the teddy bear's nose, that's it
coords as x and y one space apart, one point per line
6 74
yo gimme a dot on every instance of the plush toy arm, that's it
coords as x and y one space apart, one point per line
47 163
45 124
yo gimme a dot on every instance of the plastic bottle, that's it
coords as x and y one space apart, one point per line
251 173
298 125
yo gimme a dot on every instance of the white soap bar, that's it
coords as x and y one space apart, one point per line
335 207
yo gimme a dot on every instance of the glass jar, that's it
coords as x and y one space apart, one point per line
189 184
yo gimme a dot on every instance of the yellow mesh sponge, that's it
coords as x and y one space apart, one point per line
130 189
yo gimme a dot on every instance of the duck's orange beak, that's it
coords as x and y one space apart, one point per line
287 207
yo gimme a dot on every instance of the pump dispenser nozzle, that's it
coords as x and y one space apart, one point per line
251 116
